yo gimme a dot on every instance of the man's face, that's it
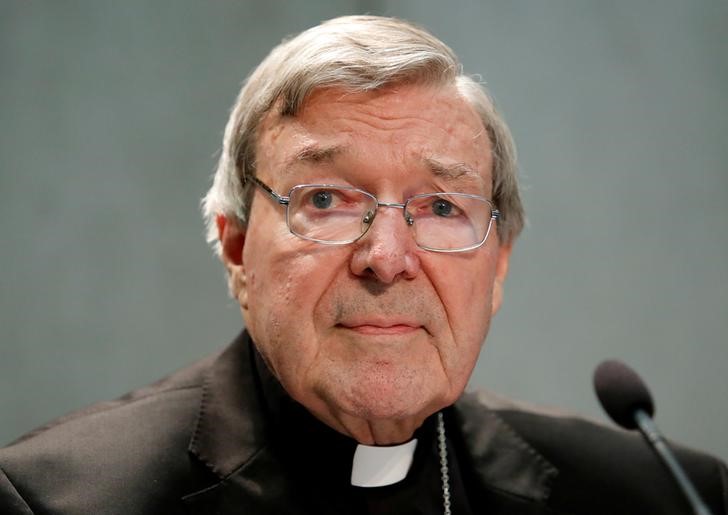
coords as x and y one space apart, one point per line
373 336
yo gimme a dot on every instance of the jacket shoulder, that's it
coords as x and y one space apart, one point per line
599 468
89 461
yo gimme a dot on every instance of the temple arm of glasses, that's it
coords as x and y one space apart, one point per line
275 196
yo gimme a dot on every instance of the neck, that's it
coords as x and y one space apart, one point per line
379 432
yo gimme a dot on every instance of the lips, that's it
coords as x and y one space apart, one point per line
378 326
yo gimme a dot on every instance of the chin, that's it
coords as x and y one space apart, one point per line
389 402
385 390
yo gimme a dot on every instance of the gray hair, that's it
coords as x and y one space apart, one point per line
358 53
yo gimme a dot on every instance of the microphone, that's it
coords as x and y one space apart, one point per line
627 400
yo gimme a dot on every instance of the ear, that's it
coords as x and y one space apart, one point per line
501 271
231 234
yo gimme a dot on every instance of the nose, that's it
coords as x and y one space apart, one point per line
388 250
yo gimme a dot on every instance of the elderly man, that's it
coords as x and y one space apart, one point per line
365 206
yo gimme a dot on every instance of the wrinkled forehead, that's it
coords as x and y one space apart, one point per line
280 110
436 125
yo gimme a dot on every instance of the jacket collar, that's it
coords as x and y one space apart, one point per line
501 458
230 439
229 428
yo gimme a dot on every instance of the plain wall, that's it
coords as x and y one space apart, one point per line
111 116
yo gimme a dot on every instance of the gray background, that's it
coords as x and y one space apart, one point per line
111 114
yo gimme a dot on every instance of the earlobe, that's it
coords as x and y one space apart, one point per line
501 271
231 235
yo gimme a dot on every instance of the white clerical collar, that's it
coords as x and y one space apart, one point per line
382 466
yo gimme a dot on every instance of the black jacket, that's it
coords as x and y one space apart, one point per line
199 442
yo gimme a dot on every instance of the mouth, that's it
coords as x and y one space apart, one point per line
381 327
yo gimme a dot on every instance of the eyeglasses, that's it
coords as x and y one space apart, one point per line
337 215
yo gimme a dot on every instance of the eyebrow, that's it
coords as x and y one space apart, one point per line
452 172
314 154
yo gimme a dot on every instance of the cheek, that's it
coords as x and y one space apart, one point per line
286 284
465 290
270 262
279 293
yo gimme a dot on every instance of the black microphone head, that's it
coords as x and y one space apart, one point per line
621 392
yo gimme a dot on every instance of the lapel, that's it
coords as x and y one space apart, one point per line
258 487
502 460
230 440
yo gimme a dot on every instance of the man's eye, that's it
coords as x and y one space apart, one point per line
441 207
322 199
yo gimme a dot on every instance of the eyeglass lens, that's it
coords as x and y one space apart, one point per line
440 221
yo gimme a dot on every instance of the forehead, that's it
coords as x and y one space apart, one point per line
406 127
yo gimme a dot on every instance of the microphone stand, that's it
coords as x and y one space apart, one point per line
649 430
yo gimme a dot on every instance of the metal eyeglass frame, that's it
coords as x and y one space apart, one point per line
495 214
